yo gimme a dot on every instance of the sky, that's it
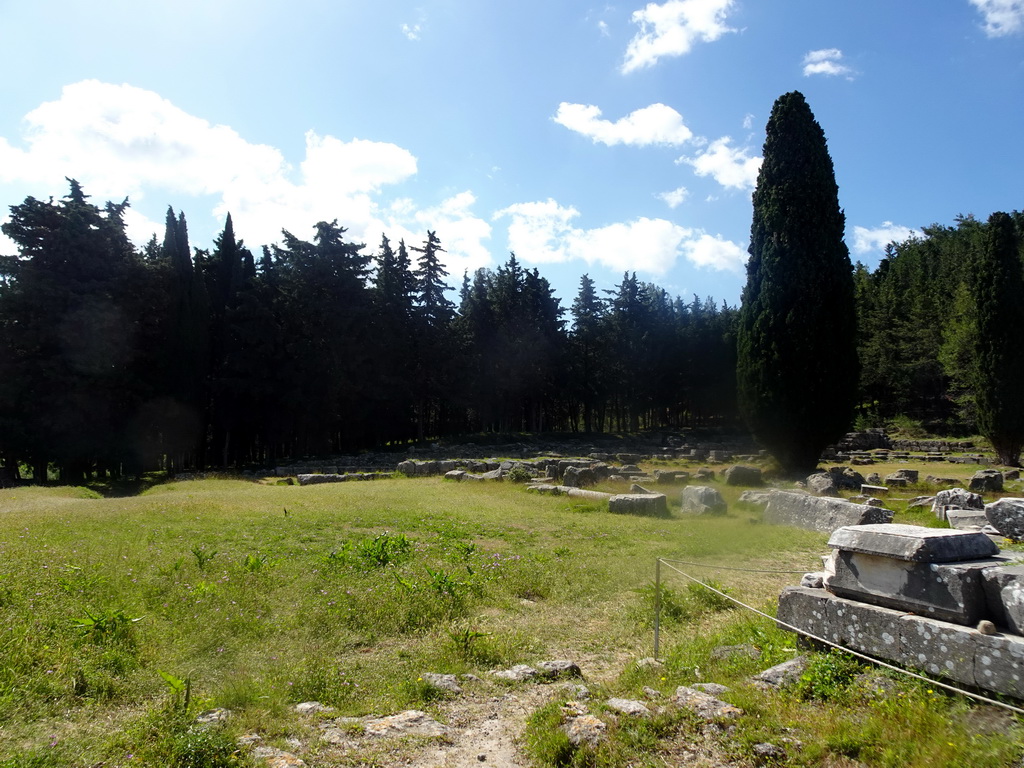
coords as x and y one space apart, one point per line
586 138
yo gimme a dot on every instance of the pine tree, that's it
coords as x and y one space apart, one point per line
999 371
797 361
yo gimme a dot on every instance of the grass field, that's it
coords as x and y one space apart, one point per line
122 618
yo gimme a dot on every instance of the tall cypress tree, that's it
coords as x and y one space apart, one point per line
999 371
797 361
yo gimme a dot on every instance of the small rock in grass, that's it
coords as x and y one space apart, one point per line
559 668
585 729
447 683
780 675
704 705
714 689
518 673
628 707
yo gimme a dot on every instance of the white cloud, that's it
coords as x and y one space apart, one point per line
715 253
543 232
1002 17
826 61
656 124
602 26
411 31
674 198
119 140
748 121
731 167
672 28
867 240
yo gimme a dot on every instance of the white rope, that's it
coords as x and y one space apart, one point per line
729 567
850 651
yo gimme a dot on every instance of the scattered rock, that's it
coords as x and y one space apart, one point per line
559 668
649 663
518 673
277 758
822 484
986 627
585 729
213 716
704 705
920 501
442 682
702 500
742 474
781 675
1007 516
650 693
412 722
713 689
814 580
655 504
576 691
987 481
628 707
764 752
956 498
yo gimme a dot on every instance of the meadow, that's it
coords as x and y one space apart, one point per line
122 618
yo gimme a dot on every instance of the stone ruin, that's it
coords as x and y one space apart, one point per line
942 601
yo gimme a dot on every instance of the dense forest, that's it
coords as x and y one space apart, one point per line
116 360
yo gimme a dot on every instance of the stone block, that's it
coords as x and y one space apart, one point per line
655 504
999 664
937 648
820 514
702 500
949 591
913 542
807 610
1007 516
742 474
966 519
870 629
994 581
987 480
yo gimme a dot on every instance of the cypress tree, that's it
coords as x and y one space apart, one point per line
797 361
999 371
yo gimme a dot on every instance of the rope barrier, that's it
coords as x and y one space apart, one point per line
831 644
729 567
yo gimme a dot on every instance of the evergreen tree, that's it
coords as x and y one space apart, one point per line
434 313
586 355
999 371
797 361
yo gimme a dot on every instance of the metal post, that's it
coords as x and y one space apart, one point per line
657 605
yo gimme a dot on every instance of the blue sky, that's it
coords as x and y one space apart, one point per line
587 138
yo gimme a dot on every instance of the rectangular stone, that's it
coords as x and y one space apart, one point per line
807 609
999 663
965 519
948 591
914 542
937 648
866 628
818 513
994 582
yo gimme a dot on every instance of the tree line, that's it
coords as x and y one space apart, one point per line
116 360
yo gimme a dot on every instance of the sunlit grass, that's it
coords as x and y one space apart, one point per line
262 596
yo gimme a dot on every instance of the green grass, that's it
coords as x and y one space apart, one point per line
262 596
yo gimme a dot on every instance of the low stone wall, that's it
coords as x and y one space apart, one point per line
993 662
819 513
